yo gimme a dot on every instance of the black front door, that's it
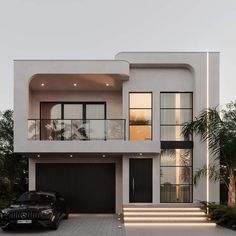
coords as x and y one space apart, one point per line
140 180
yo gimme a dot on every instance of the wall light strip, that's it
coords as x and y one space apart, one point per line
165 218
162 209
207 143
164 213
191 224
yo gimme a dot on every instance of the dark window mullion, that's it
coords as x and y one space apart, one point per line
84 111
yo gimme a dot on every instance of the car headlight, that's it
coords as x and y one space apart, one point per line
4 211
47 211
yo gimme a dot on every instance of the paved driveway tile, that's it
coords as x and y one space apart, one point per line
179 231
79 225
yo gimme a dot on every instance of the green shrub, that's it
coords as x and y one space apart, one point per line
222 215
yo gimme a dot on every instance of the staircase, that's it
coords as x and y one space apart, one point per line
165 215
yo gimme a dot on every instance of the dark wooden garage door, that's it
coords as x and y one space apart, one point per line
87 187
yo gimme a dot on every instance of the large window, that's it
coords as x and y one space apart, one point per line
176 175
72 110
176 161
140 116
176 109
72 120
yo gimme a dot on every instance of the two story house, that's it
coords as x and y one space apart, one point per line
107 133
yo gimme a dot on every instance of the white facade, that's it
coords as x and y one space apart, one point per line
155 73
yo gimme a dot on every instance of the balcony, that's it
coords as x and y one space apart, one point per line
81 130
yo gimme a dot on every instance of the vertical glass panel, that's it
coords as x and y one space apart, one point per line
80 130
73 111
50 110
175 116
140 116
172 133
140 100
37 133
176 175
115 129
97 129
66 130
176 100
95 111
176 157
51 130
176 193
32 129
140 132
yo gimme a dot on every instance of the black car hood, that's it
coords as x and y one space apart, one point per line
24 206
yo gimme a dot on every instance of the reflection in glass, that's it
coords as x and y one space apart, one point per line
169 100
80 130
33 129
175 116
76 129
140 116
115 129
51 130
176 193
140 100
176 175
173 133
140 132
176 157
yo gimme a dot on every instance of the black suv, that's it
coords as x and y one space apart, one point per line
35 208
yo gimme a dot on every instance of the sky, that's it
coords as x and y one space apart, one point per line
91 29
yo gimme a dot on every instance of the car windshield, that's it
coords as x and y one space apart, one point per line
36 197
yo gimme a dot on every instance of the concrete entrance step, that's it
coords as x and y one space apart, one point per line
168 214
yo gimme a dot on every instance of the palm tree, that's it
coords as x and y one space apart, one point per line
218 128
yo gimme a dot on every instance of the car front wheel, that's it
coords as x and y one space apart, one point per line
6 228
55 224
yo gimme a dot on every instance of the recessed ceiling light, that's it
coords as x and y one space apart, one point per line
107 85
75 84
42 84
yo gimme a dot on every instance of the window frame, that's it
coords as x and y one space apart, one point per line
191 177
151 109
178 108
73 102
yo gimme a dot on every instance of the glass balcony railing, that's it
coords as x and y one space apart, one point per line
112 129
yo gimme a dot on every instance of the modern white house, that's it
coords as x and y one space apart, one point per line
106 134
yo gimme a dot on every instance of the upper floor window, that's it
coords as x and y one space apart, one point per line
140 116
176 109
72 110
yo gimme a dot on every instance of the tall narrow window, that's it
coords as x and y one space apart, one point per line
176 109
140 116
176 175
176 160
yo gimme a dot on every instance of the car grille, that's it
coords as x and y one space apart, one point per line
24 215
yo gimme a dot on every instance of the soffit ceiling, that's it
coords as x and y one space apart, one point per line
85 82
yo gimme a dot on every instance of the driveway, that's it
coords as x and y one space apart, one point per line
84 225
109 225
179 231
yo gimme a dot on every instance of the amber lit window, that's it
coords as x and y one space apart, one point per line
140 116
